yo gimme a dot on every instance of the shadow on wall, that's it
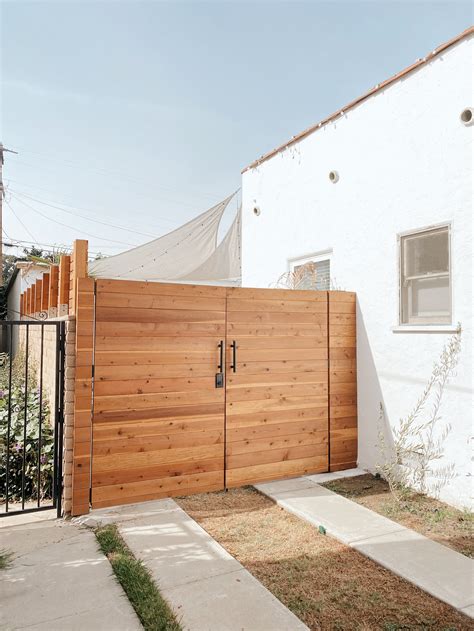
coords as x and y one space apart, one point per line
369 399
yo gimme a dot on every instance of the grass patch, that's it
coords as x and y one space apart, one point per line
6 558
327 584
428 516
142 592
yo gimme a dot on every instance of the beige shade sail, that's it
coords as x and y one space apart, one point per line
224 266
188 254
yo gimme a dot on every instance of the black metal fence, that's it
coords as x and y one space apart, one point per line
31 415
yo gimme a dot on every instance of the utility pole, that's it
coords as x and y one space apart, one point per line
2 195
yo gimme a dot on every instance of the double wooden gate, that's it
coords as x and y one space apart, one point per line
198 388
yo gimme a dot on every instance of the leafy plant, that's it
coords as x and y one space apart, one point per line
20 441
418 440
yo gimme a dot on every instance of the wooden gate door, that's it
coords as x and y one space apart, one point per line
158 418
277 384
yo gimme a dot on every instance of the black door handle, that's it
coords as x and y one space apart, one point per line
220 365
234 356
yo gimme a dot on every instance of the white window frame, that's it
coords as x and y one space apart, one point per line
424 327
314 257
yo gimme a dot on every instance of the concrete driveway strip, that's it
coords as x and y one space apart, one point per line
438 570
206 587
59 581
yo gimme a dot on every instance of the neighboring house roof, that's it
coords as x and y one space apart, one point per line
377 88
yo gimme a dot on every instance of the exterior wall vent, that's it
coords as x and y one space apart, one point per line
333 176
467 116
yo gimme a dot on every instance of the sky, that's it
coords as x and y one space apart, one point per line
142 113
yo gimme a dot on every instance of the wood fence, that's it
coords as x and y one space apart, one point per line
184 388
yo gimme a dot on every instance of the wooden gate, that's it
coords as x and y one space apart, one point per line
277 384
158 419
195 388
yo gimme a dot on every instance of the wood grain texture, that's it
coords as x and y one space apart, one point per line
342 381
82 431
158 422
161 428
277 399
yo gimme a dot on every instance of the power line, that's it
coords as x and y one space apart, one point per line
119 174
122 178
159 217
70 212
46 247
88 234
27 230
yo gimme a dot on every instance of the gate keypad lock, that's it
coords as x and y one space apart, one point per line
219 380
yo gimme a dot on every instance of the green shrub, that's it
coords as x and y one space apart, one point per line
17 447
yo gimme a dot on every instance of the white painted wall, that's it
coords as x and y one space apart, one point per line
405 162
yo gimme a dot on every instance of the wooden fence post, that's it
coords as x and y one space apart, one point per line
78 270
45 293
82 435
63 285
53 290
38 294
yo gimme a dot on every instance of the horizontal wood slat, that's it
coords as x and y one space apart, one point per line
277 400
160 426
342 380
158 419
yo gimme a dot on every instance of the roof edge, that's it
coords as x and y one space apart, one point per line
380 86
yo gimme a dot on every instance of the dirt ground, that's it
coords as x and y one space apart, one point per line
325 583
428 516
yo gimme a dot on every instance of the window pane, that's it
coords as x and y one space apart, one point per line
426 300
313 275
426 253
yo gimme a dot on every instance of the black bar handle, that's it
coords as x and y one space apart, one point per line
234 356
220 365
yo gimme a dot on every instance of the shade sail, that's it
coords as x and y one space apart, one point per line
169 257
224 265
188 254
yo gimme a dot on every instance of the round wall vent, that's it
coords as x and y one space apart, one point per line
256 211
467 116
333 176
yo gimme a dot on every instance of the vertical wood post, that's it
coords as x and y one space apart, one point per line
78 270
63 284
45 292
39 289
82 441
53 290
28 301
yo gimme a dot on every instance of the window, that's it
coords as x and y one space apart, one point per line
312 272
425 279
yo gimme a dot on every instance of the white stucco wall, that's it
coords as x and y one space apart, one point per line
405 162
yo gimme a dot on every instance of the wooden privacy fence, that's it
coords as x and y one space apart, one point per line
183 389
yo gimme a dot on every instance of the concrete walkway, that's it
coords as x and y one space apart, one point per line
205 586
440 571
58 579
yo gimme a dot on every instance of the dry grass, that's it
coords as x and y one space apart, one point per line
325 583
430 517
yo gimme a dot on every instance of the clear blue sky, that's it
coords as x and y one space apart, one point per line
142 113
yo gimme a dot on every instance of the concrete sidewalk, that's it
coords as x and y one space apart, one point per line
438 570
205 586
58 579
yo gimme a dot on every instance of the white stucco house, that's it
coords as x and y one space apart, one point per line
379 196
